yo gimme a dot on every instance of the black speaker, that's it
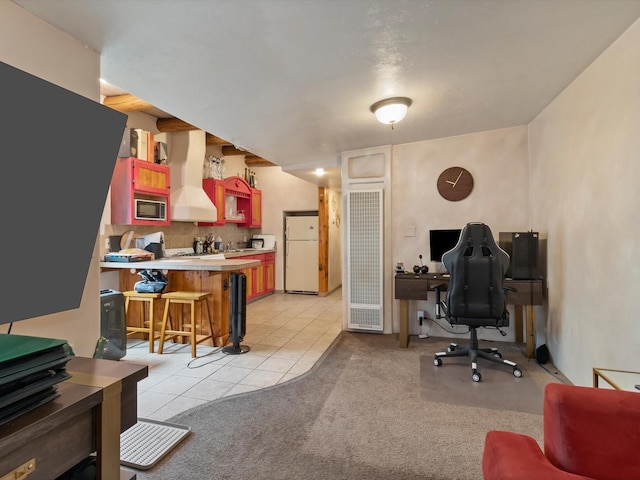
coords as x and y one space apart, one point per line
542 354
522 247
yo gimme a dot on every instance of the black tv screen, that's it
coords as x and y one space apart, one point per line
441 241
58 154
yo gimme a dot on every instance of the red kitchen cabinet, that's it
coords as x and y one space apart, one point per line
261 278
215 190
256 208
269 272
133 180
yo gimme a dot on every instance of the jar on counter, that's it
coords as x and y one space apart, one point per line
217 243
198 246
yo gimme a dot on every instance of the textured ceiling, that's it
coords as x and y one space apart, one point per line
292 80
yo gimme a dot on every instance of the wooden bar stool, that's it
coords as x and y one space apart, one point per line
146 323
182 329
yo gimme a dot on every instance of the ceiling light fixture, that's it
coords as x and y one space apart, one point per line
320 172
391 110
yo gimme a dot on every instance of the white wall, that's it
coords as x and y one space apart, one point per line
32 45
585 167
282 192
498 161
335 240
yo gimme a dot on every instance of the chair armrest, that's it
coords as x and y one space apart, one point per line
514 456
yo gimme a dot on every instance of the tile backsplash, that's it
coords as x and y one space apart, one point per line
181 234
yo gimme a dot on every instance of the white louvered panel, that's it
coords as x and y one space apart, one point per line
365 262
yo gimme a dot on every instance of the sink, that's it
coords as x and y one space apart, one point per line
239 250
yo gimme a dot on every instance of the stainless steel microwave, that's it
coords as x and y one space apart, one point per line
150 210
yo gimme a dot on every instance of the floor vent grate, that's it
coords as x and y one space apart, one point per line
144 444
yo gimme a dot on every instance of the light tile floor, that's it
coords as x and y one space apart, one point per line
286 333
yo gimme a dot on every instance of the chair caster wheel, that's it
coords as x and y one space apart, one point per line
437 362
517 372
451 348
476 377
497 355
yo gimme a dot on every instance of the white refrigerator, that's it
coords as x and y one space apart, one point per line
301 260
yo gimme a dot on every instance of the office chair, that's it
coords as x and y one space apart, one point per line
475 296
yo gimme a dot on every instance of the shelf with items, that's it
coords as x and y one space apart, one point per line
140 193
243 204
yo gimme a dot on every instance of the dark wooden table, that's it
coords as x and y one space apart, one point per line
94 407
409 286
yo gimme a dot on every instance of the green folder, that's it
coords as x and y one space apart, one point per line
30 368
22 355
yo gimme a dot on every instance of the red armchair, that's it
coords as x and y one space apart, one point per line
589 433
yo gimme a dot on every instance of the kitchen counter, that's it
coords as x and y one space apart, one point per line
187 263
243 252
197 273
231 262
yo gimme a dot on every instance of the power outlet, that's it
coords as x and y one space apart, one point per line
421 318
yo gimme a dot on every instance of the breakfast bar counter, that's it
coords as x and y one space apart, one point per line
196 274
185 263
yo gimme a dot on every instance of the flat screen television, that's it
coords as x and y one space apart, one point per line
441 241
58 152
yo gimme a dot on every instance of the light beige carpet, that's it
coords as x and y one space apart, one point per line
499 390
360 414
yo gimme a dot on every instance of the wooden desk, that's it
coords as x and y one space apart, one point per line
94 407
409 286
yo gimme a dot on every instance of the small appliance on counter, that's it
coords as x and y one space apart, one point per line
153 242
268 241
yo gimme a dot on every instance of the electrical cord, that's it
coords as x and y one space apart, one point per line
213 352
432 320
193 359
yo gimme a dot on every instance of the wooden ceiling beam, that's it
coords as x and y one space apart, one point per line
255 161
166 125
126 103
213 140
231 150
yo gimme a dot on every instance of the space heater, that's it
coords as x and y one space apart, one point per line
113 325
238 314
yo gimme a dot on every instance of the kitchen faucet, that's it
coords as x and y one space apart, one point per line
229 246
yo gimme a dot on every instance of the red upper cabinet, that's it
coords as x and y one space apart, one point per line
256 208
247 211
140 193
215 190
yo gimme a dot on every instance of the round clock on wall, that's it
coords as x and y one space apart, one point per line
455 183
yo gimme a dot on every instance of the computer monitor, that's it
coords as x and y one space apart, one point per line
441 241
